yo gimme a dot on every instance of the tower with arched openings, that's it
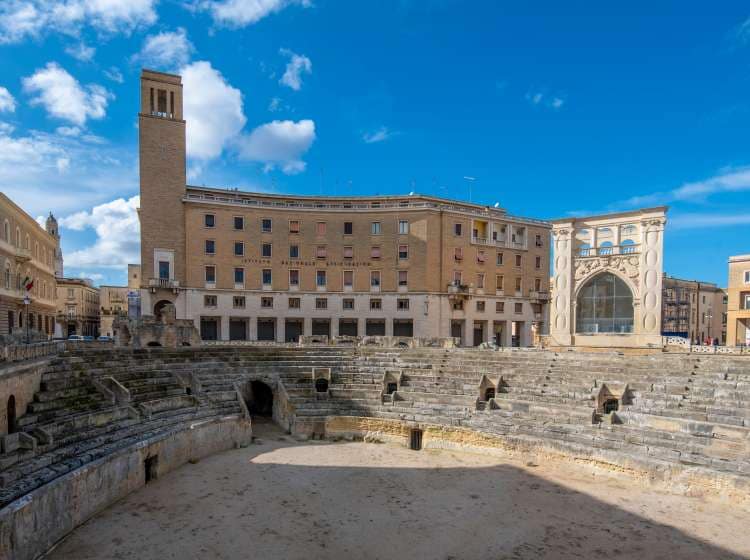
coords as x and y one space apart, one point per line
606 288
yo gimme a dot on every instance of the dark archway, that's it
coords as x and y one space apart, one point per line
261 399
610 405
489 393
321 385
160 306
604 305
12 414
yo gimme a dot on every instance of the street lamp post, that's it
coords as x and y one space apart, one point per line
27 303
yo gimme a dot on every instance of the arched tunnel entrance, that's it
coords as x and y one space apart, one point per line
260 400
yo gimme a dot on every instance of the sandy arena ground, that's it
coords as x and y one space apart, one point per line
319 500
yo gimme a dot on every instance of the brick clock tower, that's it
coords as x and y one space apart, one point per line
162 172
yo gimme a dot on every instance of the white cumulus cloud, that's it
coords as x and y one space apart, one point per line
212 109
240 13
166 50
117 235
279 144
20 19
298 64
81 52
64 97
7 101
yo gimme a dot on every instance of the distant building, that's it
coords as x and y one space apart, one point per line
693 310
27 265
738 301
54 231
134 292
113 305
607 285
77 307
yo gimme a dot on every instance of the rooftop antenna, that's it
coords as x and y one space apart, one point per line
469 181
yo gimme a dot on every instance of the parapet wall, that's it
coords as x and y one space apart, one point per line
33 524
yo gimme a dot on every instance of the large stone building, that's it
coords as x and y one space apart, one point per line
113 305
607 287
693 310
77 307
27 259
738 301
274 267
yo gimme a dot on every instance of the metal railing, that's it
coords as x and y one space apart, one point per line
163 283
608 251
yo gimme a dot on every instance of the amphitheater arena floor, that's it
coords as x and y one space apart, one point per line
279 498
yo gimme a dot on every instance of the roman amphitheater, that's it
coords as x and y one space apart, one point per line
374 448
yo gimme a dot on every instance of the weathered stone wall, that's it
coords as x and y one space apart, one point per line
30 526
20 380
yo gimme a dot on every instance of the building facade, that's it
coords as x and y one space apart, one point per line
113 305
693 310
250 266
738 301
27 260
77 307
607 286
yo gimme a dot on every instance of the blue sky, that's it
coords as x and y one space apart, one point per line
556 108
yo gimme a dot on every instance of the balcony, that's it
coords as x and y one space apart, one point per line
539 296
609 251
459 290
162 284
23 255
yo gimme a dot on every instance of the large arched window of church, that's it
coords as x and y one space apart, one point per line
605 305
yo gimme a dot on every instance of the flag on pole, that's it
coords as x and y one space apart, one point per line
28 283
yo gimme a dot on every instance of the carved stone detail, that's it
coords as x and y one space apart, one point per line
625 264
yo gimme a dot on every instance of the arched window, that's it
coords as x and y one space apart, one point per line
6 231
605 305
627 246
605 248
584 250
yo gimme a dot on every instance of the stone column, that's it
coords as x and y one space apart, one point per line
561 307
650 280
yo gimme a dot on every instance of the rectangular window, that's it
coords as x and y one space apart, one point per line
375 278
294 303
480 280
375 252
499 282
239 248
320 278
403 277
266 302
747 277
265 250
376 304
163 270
499 259
293 226
457 277
320 228
238 302
518 284
458 253
211 274
499 307
375 228
265 225
348 228
518 308
402 304
538 240
294 277
239 223
293 251
321 303
348 252
320 252
210 247
209 220
518 260
457 229
480 306
537 284
348 303
209 301
538 262
266 276
239 275
348 278
480 257
403 252
403 227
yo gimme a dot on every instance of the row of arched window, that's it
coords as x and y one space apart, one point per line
40 252
14 281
